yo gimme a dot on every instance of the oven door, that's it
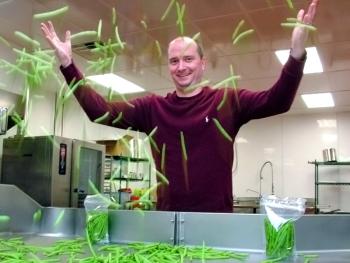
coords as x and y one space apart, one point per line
87 165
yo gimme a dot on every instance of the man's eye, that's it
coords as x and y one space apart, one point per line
188 59
173 61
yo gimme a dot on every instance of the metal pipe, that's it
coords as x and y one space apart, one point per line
261 177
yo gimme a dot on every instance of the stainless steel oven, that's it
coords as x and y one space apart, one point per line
53 170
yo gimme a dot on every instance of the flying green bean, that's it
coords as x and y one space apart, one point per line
238 27
51 14
183 146
4 41
298 24
27 39
88 33
162 163
223 82
144 24
119 117
99 29
59 218
102 118
222 130
172 2
290 4
37 216
242 35
159 49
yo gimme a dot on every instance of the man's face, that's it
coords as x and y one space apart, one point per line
185 65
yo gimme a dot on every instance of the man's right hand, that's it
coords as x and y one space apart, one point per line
62 49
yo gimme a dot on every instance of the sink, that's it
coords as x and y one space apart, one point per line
246 205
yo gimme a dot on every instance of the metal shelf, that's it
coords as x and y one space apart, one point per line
329 163
332 183
325 183
128 158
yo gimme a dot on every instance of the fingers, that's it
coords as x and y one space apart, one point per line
67 38
300 15
309 17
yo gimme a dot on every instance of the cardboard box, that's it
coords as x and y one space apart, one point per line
117 147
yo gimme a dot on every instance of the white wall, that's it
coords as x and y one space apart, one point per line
289 142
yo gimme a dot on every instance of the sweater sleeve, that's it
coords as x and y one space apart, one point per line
278 99
118 114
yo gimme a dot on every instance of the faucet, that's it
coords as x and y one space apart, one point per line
261 177
251 190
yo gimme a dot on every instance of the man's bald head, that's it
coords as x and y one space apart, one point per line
189 41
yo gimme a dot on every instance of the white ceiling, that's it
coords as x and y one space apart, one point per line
253 59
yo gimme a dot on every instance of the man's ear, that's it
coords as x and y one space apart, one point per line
204 63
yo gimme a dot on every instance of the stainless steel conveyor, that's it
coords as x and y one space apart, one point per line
325 235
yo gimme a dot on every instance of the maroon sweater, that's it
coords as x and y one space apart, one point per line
203 181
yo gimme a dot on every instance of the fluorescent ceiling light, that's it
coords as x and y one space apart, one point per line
313 63
318 100
116 83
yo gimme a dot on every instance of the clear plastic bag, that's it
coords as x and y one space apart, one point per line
279 224
96 209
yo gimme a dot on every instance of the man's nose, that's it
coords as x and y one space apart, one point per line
181 65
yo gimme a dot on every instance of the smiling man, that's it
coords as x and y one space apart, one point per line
195 126
186 65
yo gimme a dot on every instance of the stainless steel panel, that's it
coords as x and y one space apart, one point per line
58 221
323 232
137 226
20 208
26 163
229 231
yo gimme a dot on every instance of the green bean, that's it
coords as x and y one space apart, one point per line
222 130
119 117
4 41
183 146
180 14
51 14
37 58
197 85
162 177
223 82
118 38
172 2
222 101
299 24
102 118
144 24
162 163
59 218
242 35
37 216
88 33
290 4
4 218
27 39
238 27
99 29
159 49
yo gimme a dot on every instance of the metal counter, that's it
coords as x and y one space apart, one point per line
325 235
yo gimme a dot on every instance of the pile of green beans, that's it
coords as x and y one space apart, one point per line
279 243
16 251
97 225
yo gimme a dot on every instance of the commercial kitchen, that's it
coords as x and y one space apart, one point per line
60 170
